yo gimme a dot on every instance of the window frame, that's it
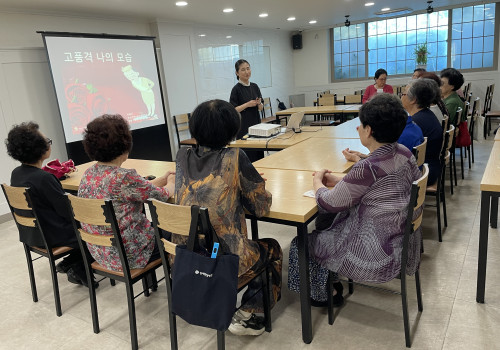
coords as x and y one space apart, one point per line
449 41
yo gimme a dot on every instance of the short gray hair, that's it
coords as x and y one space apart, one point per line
424 91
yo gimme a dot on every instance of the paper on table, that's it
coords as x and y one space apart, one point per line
309 193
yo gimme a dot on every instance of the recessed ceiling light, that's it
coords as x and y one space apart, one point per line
290 19
181 3
202 35
369 4
228 37
386 9
228 10
313 21
262 15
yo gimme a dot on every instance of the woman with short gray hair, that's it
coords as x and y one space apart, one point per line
416 98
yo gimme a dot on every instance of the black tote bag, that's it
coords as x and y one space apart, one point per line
204 288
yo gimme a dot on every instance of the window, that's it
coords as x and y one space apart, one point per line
463 38
349 48
392 42
473 37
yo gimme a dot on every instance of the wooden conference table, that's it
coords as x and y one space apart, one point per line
313 154
490 191
338 109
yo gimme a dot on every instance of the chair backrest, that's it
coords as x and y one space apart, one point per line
448 140
419 152
326 101
176 219
97 212
474 113
444 122
417 197
492 90
267 107
468 97
461 112
352 99
181 122
22 210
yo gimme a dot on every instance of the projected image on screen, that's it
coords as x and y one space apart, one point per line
95 76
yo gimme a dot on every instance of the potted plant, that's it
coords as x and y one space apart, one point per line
421 53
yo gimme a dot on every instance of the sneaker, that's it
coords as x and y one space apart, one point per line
242 324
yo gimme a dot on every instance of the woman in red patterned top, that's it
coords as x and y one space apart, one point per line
108 140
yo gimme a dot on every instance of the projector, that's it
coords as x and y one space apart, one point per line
264 130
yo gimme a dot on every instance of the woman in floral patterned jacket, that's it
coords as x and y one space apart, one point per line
108 140
225 181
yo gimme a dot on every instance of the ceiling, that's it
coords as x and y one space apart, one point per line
246 12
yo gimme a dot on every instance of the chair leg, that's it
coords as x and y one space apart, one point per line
55 286
406 320
31 273
451 174
444 205
221 342
131 316
145 286
351 286
462 162
455 167
112 282
266 299
419 291
438 213
329 292
93 305
472 150
470 159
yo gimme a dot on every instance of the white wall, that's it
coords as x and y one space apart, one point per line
312 72
182 64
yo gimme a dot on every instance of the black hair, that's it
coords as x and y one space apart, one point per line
379 72
385 114
25 143
424 90
107 137
214 123
419 70
237 66
454 77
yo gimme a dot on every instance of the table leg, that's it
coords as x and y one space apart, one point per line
255 229
305 288
494 212
483 245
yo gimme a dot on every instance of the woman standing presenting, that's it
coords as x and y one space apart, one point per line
247 99
379 87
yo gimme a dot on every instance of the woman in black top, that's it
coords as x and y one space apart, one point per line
26 144
247 99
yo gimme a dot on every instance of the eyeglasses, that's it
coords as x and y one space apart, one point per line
49 141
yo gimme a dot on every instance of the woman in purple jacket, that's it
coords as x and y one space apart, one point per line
363 237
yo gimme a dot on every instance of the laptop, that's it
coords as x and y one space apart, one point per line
294 122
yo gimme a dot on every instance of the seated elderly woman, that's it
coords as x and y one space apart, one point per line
452 81
225 181
25 143
417 97
108 140
364 240
437 107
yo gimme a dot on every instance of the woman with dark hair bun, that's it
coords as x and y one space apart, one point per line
452 81
108 140
437 106
379 87
26 144
225 181
247 99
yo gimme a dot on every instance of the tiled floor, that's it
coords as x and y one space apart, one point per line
451 318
